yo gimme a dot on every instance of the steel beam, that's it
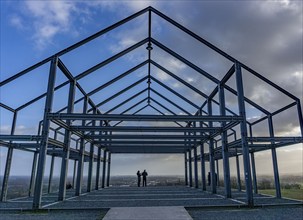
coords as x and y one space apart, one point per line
192 34
190 169
169 101
45 133
74 46
143 142
51 172
98 169
254 173
8 163
211 152
144 129
238 174
126 101
120 92
174 92
67 142
147 137
7 107
111 59
185 169
243 128
300 116
108 169
218 174
253 165
195 157
225 154
33 175
91 162
274 159
179 79
81 155
196 168
104 168
131 117
202 159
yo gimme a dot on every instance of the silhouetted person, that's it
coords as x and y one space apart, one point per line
139 178
208 177
69 186
144 174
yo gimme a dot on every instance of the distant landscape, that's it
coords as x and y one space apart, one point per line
292 185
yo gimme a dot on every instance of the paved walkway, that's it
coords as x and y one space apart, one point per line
136 213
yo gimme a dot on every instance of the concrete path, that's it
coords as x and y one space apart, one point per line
136 213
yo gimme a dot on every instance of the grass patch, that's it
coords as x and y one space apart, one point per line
287 193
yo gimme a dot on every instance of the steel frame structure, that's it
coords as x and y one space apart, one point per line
104 132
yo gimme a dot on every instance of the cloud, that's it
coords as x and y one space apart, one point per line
17 22
50 19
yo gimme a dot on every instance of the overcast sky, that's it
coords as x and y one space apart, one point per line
265 35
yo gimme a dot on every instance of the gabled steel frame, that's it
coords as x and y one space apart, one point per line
98 128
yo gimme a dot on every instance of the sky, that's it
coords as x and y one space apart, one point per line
264 35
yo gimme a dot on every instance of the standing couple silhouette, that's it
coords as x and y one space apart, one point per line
144 174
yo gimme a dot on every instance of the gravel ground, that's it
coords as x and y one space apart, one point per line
270 213
54 215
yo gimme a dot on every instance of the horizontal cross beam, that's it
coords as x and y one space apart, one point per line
146 137
144 129
155 142
117 117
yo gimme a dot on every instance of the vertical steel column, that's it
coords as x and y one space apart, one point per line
225 155
74 173
8 163
238 174
274 158
33 175
243 128
218 174
98 169
81 154
75 167
185 168
67 140
104 168
253 165
91 160
202 159
98 161
45 133
300 115
253 169
190 169
196 167
195 161
211 153
108 169
51 171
